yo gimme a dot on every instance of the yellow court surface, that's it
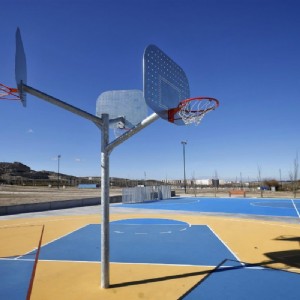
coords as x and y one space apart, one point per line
264 243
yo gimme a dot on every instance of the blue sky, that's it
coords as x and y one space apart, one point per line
244 53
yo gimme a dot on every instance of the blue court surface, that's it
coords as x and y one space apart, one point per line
15 278
161 242
246 282
242 206
151 241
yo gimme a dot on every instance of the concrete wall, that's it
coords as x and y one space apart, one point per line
36 207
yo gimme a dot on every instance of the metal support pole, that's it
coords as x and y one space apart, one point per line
41 95
105 202
106 148
184 177
58 158
146 122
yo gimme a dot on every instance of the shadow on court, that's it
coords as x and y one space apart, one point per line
288 257
159 279
217 272
248 281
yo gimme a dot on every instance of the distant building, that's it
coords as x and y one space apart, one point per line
206 182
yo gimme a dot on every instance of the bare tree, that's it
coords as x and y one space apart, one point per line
280 187
241 180
194 185
259 181
294 176
215 182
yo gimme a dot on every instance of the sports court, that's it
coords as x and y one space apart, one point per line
183 248
164 249
241 206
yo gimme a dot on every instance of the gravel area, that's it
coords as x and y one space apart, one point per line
13 195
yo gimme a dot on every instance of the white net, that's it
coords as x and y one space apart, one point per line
7 93
193 110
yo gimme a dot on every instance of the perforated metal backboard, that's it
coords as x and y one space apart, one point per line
20 66
129 104
165 83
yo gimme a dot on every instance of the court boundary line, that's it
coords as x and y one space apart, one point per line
257 204
295 208
294 270
247 214
227 247
184 224
46 244
114 262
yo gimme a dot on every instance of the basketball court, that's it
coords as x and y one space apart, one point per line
171 249
153 254
264 207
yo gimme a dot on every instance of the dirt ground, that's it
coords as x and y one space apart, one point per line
13 195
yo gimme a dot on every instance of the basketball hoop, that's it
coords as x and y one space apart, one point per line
8 93
192 110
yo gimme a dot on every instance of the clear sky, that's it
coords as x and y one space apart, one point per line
246 53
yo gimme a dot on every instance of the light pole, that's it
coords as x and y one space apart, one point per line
280 179
58 158
184 178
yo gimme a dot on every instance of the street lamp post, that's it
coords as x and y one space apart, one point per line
58 158
184 177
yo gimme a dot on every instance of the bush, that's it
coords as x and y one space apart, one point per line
272 182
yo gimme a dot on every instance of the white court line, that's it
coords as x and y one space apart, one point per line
160 264
238 260
135 224
53 260
62 236
258 204
187 225
53 241
113 262
154 264
295 208
18 257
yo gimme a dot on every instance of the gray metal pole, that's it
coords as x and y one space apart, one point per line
58 158
106 148
41 95
105 202
184 177
149 120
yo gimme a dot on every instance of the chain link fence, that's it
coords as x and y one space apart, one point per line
142 194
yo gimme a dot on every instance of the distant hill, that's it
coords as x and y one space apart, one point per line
19 169
20 174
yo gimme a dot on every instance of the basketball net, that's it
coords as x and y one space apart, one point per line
193 110
8 93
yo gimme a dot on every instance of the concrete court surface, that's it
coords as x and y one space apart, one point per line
265 243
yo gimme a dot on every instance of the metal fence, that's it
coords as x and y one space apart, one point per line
141 194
